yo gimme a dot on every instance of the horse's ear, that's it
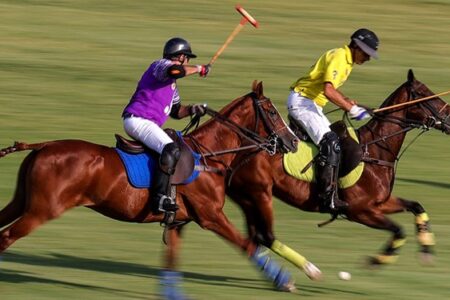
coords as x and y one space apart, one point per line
259 90
410 75
254 85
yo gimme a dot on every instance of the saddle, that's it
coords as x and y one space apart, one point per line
185 165
351 151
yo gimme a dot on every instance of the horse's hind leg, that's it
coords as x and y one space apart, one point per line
377 220
38 212
22 227
14 209
423 229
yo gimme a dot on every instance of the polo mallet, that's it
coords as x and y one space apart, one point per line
246 17
410 102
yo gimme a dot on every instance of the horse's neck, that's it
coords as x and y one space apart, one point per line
390 138
214 136
389 134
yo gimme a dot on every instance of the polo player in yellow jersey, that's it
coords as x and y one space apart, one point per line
309 94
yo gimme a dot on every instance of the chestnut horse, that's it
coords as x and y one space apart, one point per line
370 199
59 175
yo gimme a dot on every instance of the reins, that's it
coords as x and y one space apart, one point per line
256 141
406 124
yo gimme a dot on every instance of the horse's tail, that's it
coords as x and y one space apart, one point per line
20 146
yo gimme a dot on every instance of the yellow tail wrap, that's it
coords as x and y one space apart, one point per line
426 239
289 254
422 218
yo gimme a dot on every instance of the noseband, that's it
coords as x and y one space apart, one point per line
436 117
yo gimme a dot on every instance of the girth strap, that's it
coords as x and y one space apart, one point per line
378 162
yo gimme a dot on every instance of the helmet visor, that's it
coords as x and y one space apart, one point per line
368 50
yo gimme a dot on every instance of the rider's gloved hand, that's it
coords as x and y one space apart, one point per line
203 70
359 113
198 109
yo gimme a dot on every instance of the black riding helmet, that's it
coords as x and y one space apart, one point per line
367 41
176 46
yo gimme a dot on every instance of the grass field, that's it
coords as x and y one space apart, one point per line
68 67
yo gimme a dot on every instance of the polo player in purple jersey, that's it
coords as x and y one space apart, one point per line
155 99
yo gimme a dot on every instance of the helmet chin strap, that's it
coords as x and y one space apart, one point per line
180 58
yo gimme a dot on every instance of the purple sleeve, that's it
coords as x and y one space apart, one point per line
160 69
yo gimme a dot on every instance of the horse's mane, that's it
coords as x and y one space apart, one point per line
228 110
389 100
411 83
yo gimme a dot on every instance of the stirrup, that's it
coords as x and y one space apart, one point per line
337 205
167 204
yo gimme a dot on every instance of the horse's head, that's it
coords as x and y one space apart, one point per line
413 104
433 113
279 134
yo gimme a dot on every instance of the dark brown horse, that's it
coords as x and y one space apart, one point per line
370 199
59 175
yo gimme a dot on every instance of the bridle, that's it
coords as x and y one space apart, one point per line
436 117
433 119
270 144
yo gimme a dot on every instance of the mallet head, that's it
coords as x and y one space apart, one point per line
247 16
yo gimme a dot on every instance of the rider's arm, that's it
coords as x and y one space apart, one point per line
178 71
180 111
337 97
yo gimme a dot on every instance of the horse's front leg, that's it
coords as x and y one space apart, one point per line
171 279
258 211
210 216
423 229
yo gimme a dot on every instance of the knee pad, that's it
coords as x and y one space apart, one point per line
169 158
330 149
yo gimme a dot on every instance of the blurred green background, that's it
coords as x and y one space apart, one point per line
67 68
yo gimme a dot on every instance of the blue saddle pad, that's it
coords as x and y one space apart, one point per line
141 167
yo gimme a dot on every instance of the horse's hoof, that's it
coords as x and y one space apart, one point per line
312 271
288 287
426 259
372 263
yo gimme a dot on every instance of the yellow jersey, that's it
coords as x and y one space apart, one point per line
334 66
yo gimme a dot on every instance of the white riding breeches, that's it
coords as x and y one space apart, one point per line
308 114
147 132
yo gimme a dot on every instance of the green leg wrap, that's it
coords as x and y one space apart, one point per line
289 254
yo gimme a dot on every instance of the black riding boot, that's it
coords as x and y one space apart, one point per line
327 168
161 199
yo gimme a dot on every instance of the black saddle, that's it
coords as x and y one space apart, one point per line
351 151
185 165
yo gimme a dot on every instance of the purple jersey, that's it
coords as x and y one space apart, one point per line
155 94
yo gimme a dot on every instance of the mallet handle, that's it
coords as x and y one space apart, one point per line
410 102
228 41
